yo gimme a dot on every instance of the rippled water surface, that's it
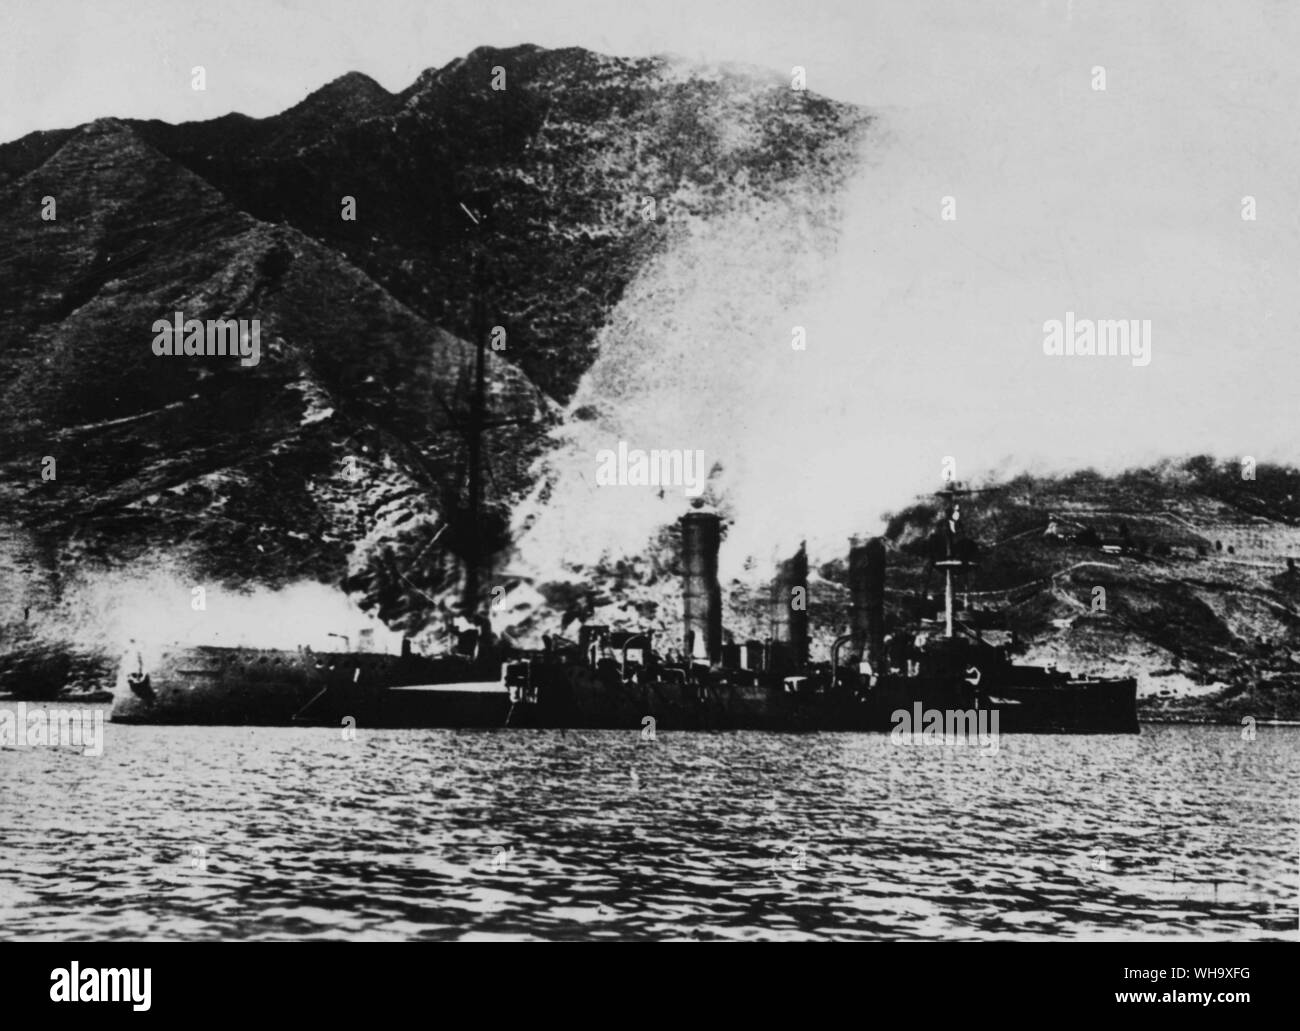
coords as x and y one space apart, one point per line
178 832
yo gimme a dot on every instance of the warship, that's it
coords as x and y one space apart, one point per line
876 674
614 678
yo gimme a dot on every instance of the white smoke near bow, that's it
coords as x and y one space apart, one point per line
156 604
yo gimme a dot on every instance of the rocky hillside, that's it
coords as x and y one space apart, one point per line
1182 575
341 456
561 163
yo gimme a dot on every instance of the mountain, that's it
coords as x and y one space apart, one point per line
559 164
153 451
340 457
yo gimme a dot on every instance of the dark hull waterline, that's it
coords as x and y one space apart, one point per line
213 686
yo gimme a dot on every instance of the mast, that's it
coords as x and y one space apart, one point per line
947 602
954 558
479 423
477 418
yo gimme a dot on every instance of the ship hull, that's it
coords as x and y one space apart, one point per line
268 687
1074 707
245 687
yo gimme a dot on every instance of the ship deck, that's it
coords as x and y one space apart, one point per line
464 687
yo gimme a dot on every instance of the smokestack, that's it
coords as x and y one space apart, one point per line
867 591
789 607
701 595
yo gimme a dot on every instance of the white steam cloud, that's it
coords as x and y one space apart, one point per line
156 606
924 337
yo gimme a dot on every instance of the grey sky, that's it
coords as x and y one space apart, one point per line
66 62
